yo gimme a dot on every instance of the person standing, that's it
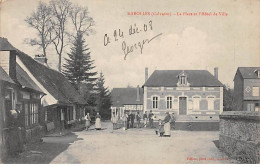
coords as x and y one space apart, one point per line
145 119
128 120
125 116
150 116
98 122
132 119
114 120
87 124
138 119
172 121
167 126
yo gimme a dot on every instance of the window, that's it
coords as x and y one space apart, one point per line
155 102
26 114
46 116
210 103
250 107
183 80
169 103
33 113
196 102
257 107
255 91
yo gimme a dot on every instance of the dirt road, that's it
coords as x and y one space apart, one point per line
140 146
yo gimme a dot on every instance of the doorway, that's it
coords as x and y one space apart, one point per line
182 105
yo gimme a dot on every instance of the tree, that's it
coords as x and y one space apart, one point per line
81 21
41 21
228 98
78 67
103 99
57 23
60 12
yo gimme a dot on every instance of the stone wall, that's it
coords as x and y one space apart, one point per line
239 135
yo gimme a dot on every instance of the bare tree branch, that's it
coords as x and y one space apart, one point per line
82 22
40 21
60 11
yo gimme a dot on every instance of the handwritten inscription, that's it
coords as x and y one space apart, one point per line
132 31
140 45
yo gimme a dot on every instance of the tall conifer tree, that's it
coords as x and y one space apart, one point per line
103 99
78 67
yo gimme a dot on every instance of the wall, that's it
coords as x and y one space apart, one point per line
238 92
2 152
248 89
239 135
202 113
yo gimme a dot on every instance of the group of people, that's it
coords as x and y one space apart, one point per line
130 119
97 122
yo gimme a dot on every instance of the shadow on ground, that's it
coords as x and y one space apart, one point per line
216 142
44 152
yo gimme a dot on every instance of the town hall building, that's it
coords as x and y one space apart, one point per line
194 96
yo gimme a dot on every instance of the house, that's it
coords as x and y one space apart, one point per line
246 89
19 96
194 96
126 99
62 105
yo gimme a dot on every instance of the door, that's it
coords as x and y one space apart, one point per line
182 105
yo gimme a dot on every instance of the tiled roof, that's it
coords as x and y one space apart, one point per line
4 76
53 81
169 78
248 72
5 45
121 96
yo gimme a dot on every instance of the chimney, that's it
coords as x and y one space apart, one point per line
146 74
8 63
216 72
138 93
41 59
12 66
8 58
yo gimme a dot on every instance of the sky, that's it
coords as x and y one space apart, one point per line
175 42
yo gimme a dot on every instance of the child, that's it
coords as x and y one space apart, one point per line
160 130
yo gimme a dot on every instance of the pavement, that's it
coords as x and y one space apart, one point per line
142 146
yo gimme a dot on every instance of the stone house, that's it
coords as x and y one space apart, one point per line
194 96
246 89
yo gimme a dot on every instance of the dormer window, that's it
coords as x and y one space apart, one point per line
182 79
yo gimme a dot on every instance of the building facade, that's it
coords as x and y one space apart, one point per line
20 102
246 89
60 105
194 96
126 100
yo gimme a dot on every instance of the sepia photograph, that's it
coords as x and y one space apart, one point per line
129 82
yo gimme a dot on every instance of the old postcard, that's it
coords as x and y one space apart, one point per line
130 82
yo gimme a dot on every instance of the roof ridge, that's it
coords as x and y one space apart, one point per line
39 62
